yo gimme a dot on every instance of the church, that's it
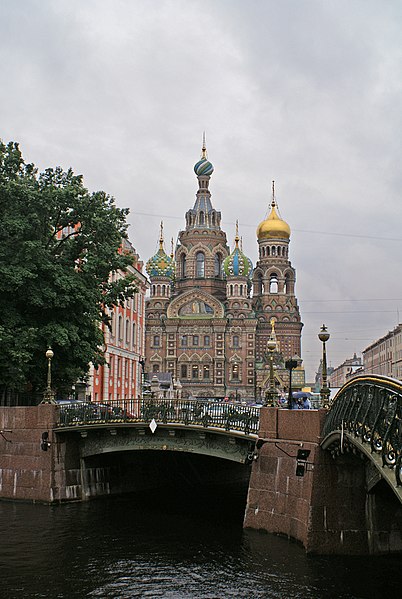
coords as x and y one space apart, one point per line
210 313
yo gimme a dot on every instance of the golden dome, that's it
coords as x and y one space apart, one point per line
273 227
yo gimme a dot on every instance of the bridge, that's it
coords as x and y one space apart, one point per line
329 478
365 418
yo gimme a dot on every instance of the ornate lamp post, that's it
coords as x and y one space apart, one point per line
48 395
290 365
271 346
323 336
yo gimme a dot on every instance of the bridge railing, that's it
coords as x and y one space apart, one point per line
224 416
370 408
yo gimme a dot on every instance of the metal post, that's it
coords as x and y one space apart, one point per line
48 395
323 336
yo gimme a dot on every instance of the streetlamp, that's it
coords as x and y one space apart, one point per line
290 365
48 395
271 347
323 336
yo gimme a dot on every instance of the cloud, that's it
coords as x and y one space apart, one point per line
306 93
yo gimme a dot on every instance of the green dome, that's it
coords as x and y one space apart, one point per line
237 264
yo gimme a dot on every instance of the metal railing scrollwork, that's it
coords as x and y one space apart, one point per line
228 417
370 408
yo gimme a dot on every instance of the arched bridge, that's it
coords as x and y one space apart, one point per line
216 429
366 418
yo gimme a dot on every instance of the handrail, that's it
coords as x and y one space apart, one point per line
187 412
369 407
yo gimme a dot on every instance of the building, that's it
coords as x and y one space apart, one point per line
384 356
121 376
342 373
209 315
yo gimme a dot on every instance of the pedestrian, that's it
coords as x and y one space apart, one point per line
306 403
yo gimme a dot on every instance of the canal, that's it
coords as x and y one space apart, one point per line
176 545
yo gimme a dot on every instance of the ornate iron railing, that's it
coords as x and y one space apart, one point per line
206 414
370 408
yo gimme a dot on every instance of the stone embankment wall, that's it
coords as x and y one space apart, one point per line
26 471
329 510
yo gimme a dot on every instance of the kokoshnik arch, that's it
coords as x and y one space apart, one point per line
210 313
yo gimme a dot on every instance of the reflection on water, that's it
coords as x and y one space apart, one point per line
119 548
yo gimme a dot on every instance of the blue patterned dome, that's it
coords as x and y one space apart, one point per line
203 168
237 264
160 265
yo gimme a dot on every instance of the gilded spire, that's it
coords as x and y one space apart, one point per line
161 237
237 238
204 147
273 203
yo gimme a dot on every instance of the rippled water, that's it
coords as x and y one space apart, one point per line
117 548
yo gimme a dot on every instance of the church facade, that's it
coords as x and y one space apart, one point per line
210 314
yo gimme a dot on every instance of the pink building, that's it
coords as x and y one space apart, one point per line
121 376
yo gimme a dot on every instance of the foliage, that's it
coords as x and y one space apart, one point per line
59 243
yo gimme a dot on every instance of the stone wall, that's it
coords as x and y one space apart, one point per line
331 509
26 471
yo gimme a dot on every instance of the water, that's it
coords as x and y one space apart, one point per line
188 548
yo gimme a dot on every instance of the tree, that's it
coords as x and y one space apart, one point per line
59 243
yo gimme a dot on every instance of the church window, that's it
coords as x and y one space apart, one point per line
235 340
195 339
273 283
207 341
194 371
202 218
241 289
235 372
218 264
205 371
183 371
157 340
183 340
183 266
274 251
200 265
155 367
268 251
279 251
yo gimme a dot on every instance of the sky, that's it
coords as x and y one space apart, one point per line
304 92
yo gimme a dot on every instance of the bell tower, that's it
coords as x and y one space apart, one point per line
274 286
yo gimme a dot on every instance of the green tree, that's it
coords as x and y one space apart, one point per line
59 243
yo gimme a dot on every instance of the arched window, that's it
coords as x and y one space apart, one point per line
133 338
120 328
200 265
273 283
183 266
235 340
218 264
274 251
127 334
201 218
235 372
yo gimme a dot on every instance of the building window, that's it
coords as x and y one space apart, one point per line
183 265
235 372
200 265
157 340
205 371
155 368
127 332
183 340
207 341
218 265
201 219
120 328
235 340
183 371
273 283
194 371
195 339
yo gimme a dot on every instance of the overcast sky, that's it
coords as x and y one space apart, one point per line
305 92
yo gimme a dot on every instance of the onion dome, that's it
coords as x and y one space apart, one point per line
273 227
160 265
237 264
203 168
